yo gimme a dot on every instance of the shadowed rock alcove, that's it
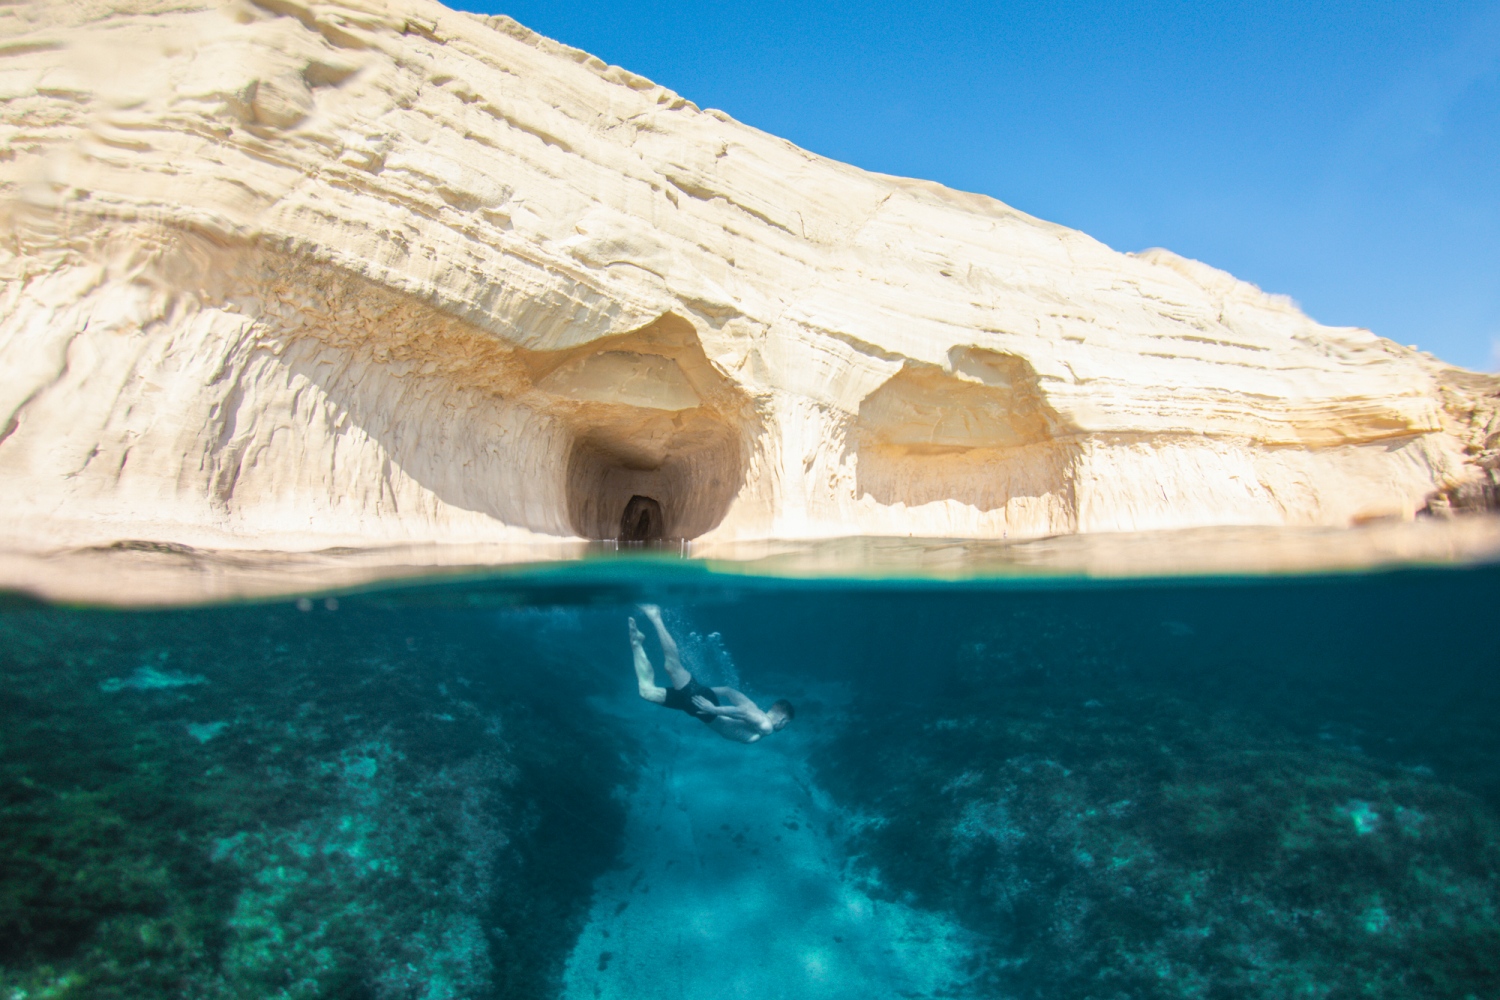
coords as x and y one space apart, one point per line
651 418
374 403
979 432
552 441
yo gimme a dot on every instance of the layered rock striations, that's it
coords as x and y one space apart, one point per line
297 274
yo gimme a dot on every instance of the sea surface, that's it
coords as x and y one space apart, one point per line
1020 786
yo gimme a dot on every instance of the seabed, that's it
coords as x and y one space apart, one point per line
1015 772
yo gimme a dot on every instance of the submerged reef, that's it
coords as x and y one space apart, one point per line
273 803
1118 820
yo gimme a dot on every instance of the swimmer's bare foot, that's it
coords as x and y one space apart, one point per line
635 633
651 611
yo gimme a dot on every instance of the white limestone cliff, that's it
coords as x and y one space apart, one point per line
294 274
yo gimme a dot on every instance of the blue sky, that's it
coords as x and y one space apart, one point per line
1344 153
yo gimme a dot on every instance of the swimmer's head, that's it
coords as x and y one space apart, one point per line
781 713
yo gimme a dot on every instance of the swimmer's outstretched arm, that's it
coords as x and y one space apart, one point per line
670 660
747 712
722 711
735 696
645 676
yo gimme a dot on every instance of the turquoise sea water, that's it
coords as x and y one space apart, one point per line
1033 788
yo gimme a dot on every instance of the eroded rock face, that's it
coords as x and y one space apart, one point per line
299 274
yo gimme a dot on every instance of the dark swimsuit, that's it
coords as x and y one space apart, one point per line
682 698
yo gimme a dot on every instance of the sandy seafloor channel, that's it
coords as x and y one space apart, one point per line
735 880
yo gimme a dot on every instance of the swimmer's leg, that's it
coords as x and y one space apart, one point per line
680 677
645 674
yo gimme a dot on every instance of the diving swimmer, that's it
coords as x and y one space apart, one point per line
740 720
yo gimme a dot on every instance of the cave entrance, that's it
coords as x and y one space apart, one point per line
642 521
638 481
660 438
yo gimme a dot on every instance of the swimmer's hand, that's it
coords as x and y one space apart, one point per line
702 704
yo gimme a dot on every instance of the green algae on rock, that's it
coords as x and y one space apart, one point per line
1114 835
347 825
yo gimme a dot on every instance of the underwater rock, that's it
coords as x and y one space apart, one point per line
375 822
286 274
1185 834
148 678
205 731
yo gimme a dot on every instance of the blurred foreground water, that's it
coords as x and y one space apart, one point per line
1030 786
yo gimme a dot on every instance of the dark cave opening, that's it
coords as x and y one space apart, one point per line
642 520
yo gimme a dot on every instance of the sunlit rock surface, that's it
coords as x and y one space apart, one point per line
290 276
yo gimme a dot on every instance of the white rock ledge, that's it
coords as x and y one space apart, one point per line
284 275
